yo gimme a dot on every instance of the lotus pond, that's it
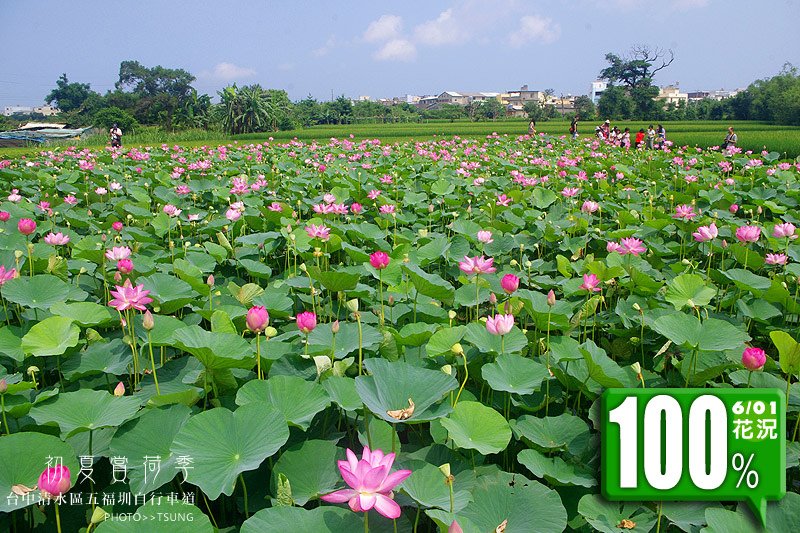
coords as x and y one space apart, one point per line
193 337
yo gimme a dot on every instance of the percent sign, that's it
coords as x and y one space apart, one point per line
747 475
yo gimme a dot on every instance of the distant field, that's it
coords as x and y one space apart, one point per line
754 136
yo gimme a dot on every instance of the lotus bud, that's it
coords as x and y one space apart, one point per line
637 368
447 369
147 321
551 298
335 327
686 262
457 349
352 305
270 332
119 390
452 314
390 299
430 208
445 469
513 263
528 263
423 233
18 254
3 386
303 267
98 515
492 299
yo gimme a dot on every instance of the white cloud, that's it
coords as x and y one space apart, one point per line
445 29
227 72
397 50
325 48
386 28
535 28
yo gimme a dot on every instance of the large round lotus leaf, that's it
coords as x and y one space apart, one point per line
23 457
310 468
688 516
150 435
528 506
391 385
160 516
51 336
162 332
554 432
555 470
111 357
41 291
85 410
221 444
426 485
342 390
215 350
514 373
479 336
11 343
346 339
168 292
605 516
299 400
475 426
326 519
443 340
86 314
689 290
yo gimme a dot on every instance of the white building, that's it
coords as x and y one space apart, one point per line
45 110
671 94
598 87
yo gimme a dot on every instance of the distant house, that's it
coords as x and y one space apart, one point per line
671 94
427 103
45 110
597 90
452 97
523 95
721 94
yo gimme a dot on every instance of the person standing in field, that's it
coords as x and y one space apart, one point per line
625 138
730 139
661 133
639 142
116 136
651 137
532 127
573 127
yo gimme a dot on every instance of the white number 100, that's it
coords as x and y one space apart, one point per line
665 476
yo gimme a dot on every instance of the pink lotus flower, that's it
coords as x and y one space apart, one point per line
551 298
477 265
14 196
733 208
633 246
387 209
706 233
510 283
56 239
328 198
119 390
499 324
569 192
125 266
118 252
306 321
4 216
171 210
787 229
748 233
70 199
356 208
275 207
374 193
26 226
320 231
117 226
379 260
54 481
685 212
590 206
454 528
485 236
101 191
129 297
590 283
233 214
257 319
371 483
776 259
6 275
612 246
503 200
753 358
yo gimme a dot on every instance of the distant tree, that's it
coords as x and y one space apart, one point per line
68 96
194 112
307 112
584 107
615 103
491 108
158 91
635 72
109 116
777 99
342 109
535 111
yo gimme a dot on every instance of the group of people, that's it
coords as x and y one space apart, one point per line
653 138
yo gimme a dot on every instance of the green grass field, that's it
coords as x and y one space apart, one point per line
754 136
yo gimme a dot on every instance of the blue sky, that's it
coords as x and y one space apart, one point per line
385 49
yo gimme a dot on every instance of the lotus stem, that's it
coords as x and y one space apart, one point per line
258 355
244 491
153 362
466 377
58 518
3 408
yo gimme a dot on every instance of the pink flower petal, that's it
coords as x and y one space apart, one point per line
340 496
351 459
373 479
353 480
355 506
393 479
366 501
387 506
